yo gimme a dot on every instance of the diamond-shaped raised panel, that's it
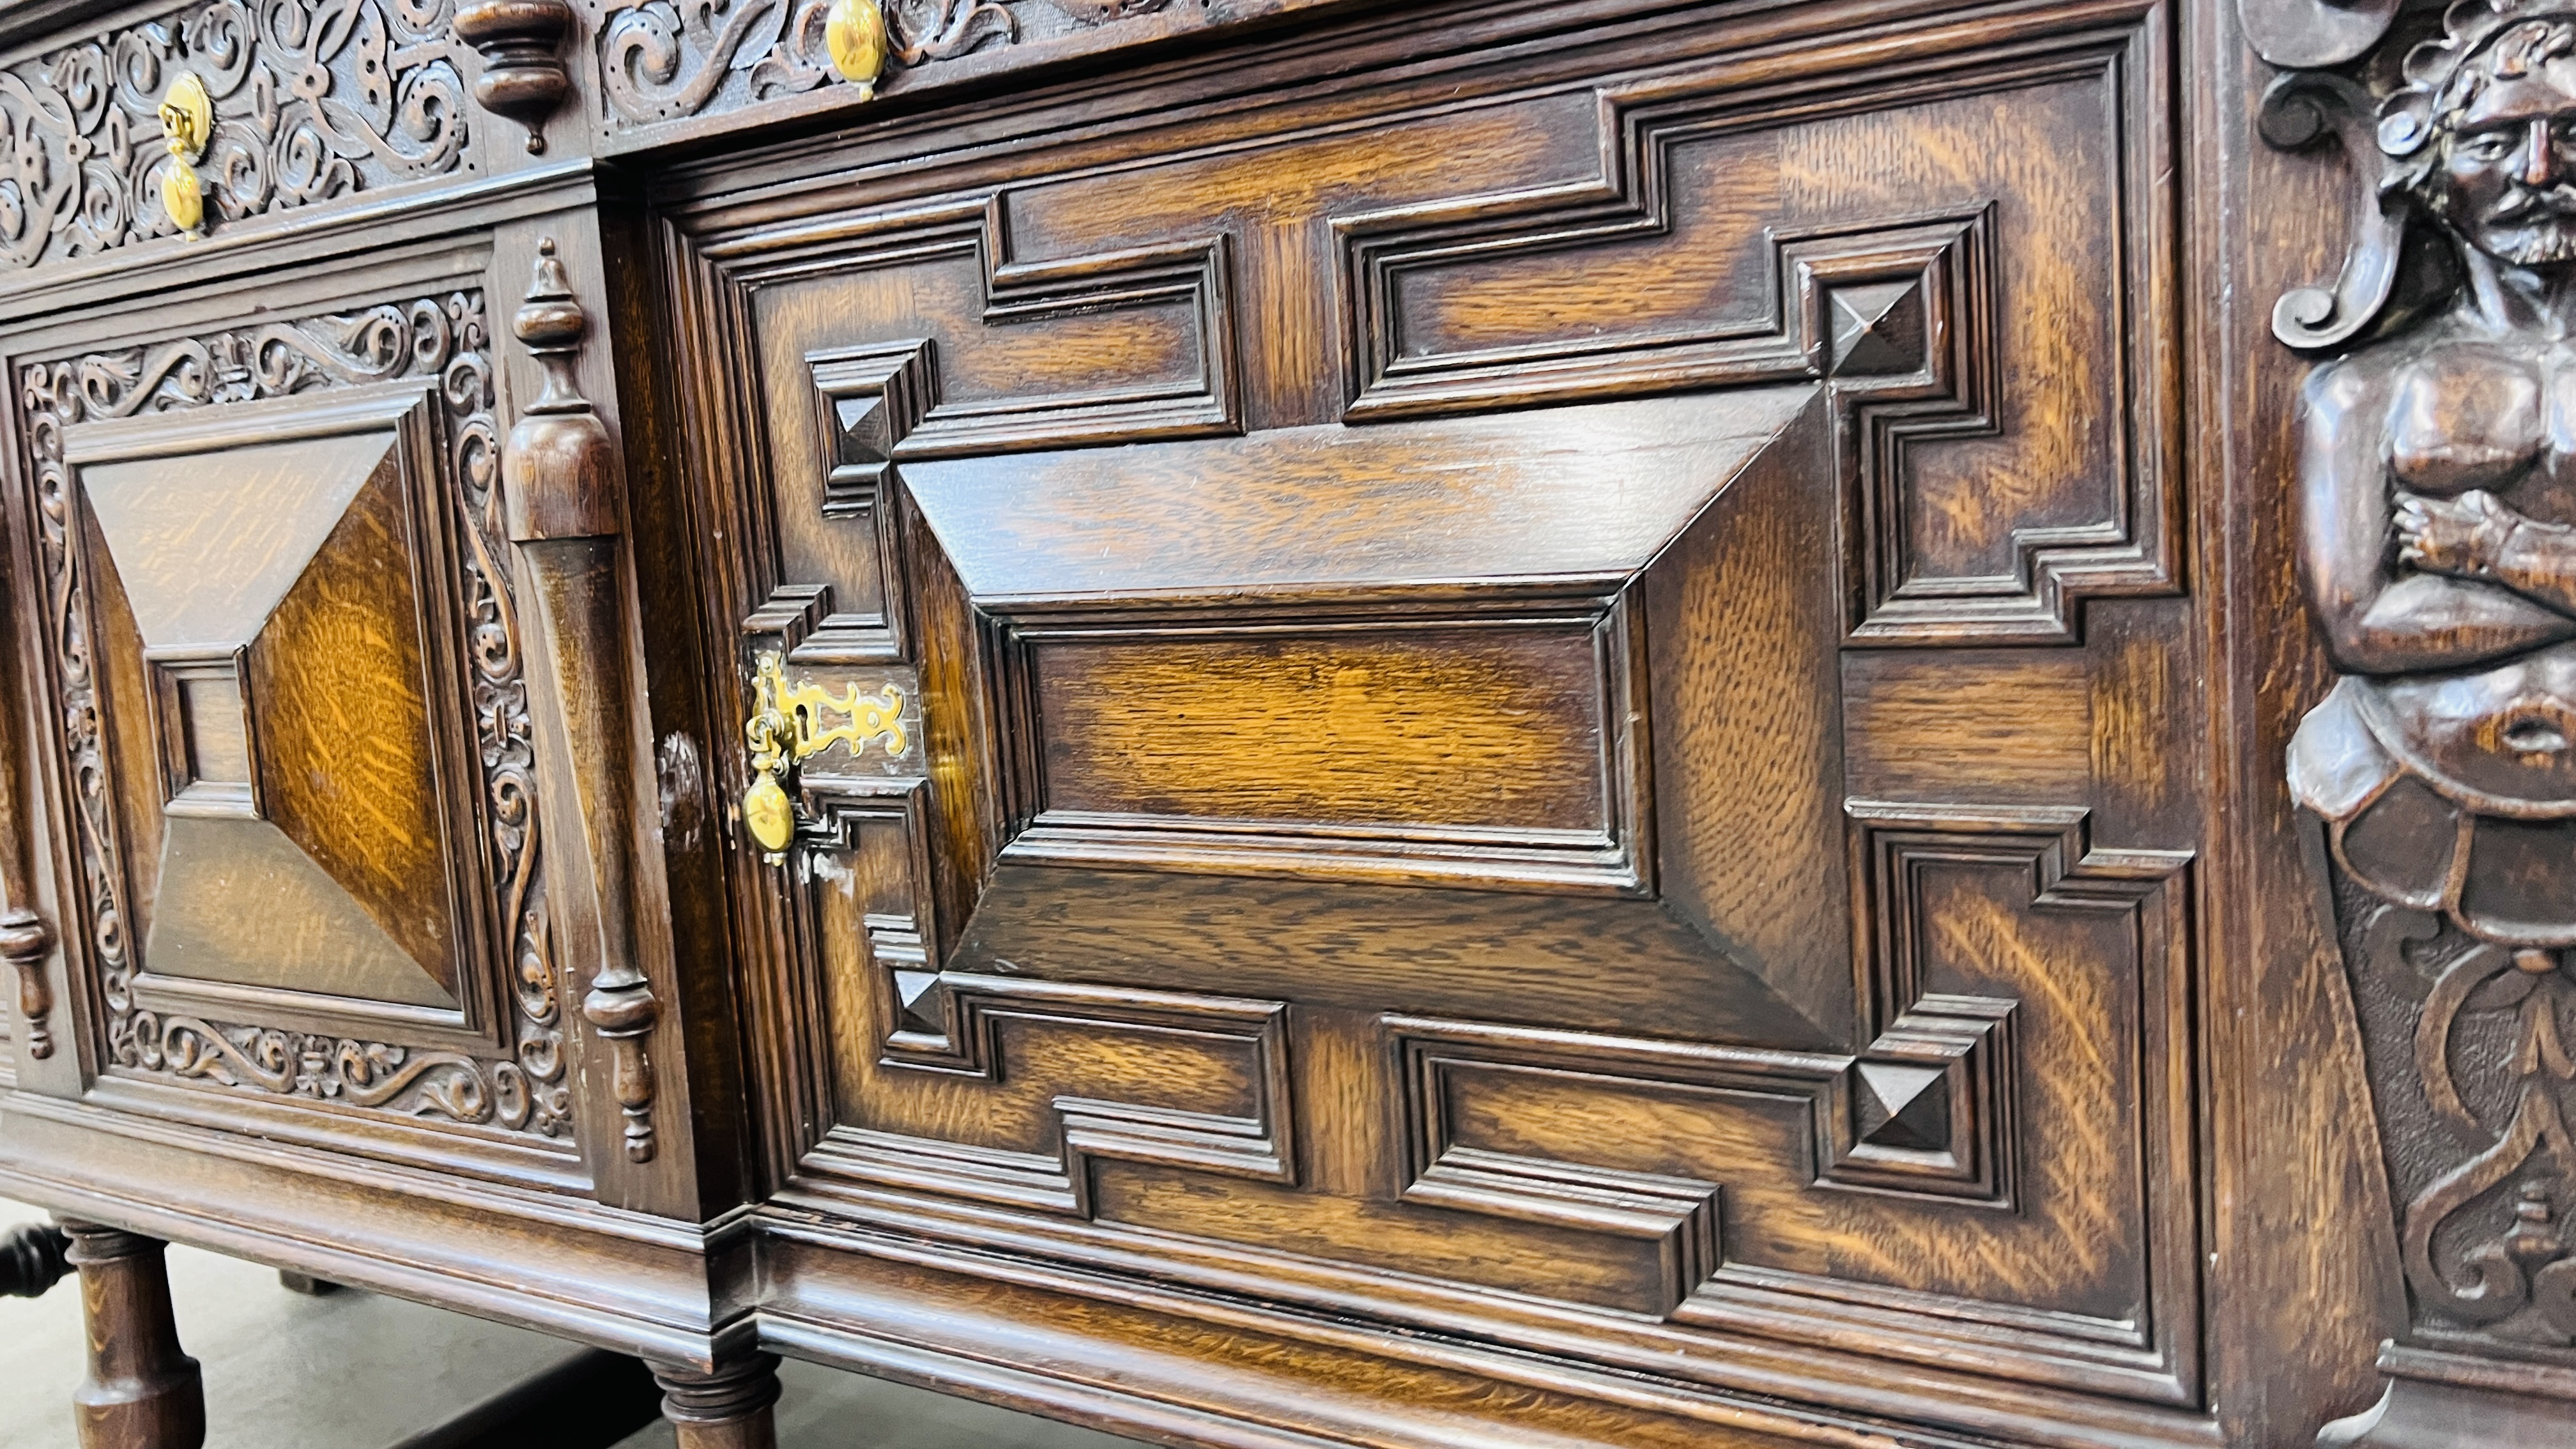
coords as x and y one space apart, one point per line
265 601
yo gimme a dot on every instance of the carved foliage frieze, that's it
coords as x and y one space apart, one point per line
442 341
663 60
312 99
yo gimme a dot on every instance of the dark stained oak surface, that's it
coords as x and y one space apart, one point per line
1280 723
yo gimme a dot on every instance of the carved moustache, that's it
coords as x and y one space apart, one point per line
2523 204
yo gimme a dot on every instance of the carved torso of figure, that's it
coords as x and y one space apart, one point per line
2440 551
2480 429
2476 412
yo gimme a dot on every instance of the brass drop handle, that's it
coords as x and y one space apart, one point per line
187 128
787 727
859 42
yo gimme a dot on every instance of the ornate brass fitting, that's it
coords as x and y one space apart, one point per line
786 727
855 33
187 128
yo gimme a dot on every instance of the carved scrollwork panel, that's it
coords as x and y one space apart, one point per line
662 60
312 101
441 341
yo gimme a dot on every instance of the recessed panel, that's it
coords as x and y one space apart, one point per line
1467 729
218 735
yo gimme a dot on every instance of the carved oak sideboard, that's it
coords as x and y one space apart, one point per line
1281 723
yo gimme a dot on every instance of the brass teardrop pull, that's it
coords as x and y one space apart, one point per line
187 128
854 33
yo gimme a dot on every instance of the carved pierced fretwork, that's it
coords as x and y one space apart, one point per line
443 341
311 101
666 59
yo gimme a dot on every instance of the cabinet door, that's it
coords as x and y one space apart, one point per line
1554 718
293 771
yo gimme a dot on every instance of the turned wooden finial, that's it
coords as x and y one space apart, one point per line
25 943
559 468
552 324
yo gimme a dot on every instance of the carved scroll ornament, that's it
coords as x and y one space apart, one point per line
310 100
2438 551
661 60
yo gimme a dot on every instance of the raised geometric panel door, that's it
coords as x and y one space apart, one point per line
1532 740
297 753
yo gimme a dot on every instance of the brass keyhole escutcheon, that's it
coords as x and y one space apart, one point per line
187 128
788 725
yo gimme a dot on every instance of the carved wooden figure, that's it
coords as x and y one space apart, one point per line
2439 554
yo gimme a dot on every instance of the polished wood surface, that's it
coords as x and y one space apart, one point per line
727 1408
1292 722
141 1391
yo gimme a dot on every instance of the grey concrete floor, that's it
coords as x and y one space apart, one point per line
357 1371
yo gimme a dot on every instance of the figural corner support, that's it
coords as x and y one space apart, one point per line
2437 548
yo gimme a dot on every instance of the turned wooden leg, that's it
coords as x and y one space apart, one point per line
142 1392
727 1409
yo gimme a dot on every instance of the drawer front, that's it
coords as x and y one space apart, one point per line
1554 719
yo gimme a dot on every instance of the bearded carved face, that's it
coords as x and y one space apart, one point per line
2506 174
